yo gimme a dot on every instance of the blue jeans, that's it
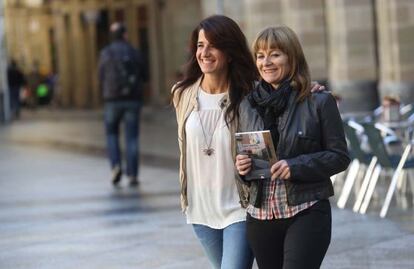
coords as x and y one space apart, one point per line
115 113
15 101
226 248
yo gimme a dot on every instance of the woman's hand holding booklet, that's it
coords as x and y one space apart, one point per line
255 154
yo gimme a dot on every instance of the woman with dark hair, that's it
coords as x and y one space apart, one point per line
289 216
210 105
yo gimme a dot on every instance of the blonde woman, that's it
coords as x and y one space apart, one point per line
289 216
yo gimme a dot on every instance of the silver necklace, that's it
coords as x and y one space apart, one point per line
209 150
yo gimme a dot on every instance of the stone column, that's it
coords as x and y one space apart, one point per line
19 37
210 7
41 49
307 19
396 48
81 91
4 92
12 33
155 42
132 25
91 17
65 81
177 27
352 53
260 14
234 9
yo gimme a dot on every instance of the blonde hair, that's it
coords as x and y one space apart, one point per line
283 38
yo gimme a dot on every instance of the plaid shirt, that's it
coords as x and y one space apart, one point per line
274 204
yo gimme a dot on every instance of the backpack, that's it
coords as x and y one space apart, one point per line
125 74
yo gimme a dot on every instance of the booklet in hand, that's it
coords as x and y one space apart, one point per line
259 146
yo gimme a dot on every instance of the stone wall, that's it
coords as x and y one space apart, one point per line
179 20
363 49
352 53
396 48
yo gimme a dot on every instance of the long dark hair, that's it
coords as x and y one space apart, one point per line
225 35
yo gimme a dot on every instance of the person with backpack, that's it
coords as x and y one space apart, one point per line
122 72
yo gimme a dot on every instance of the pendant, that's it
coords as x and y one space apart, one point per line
208 151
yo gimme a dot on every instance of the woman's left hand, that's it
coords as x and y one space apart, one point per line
316 87
280 170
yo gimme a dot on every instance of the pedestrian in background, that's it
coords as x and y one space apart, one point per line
34 80
16 81
122 73
289 224
210 103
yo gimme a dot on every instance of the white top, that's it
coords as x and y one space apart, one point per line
213 199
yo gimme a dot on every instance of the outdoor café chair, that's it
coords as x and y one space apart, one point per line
395 162
359 156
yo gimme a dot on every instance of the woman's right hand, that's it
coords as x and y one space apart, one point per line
243 164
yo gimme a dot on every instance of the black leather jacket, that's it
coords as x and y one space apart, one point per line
312 141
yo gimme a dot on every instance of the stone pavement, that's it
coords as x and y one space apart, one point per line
58 210
83 130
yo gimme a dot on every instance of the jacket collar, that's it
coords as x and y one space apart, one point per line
193 98
289 110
